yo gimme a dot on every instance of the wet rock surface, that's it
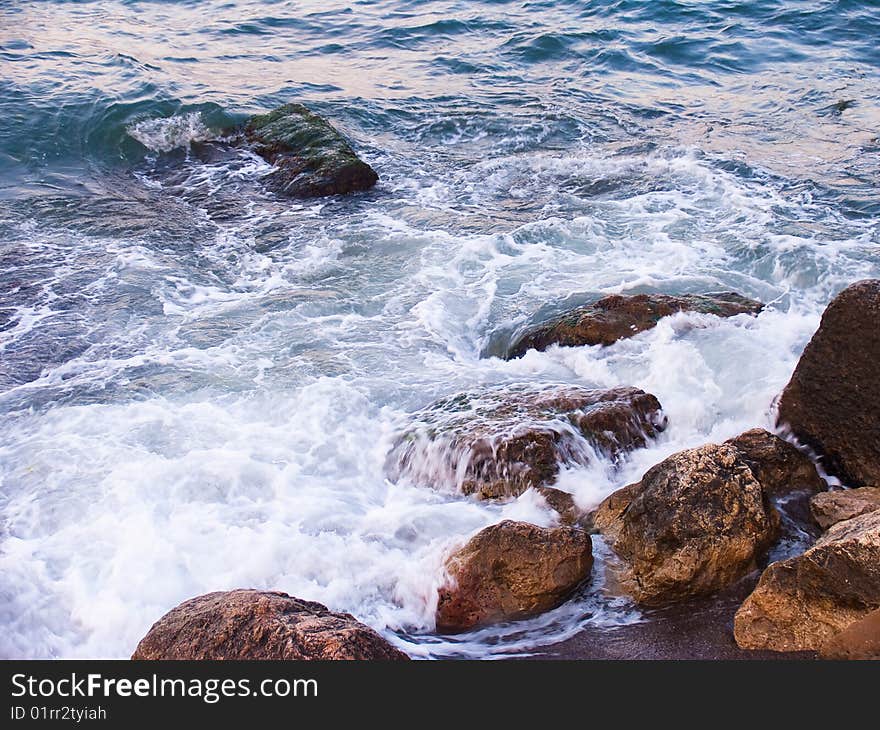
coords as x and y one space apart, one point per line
829 508
694 524
310 156
497 442
510 571
802 602
618 316
564 505
777 465
250 624
833 398
859 640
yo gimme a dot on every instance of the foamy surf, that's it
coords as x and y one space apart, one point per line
164 135
200 382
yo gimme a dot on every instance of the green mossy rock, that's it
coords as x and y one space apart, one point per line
311 157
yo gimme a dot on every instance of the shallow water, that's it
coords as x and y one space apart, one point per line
199 382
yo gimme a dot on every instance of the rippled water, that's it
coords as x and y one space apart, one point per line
199 382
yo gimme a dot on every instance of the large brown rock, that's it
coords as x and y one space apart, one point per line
249 624
618 316
695 523
801 603
859 640
829 508
832 402
512 570
499 441
777 465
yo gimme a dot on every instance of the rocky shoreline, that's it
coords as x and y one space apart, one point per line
689 542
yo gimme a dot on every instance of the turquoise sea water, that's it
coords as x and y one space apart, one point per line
199 381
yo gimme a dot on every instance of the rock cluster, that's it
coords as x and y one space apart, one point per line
826 599
803 602
697 523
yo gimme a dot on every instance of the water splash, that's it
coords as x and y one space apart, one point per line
169 133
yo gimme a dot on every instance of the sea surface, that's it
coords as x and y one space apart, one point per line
199 381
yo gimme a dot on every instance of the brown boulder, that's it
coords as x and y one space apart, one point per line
859 640
829 508
695 523
800 603
833 399
250 624
499 441
618 316
777 465
512 570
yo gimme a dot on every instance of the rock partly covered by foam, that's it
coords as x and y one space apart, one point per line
564 505
801 603
832 402
829 508
695 523
310 156
249 624
777 465
499 441
512 570
859 640
618 316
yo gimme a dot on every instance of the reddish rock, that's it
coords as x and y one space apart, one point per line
512 570
249 624
694 524
618 316
801 603
829 508
499 441
832 402
859 640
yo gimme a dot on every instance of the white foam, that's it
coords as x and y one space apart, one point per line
168 133
229 427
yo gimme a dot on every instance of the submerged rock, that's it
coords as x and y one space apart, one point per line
512 570
618 316
310 156
250 624
832 402
564 505
859 640
499 441
694 524
802 602
779 467
829 508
